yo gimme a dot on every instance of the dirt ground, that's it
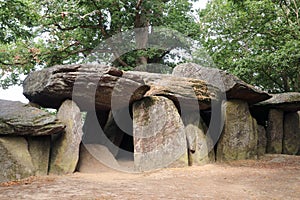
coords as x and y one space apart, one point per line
272 177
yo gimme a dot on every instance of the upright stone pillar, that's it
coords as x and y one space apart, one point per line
291 133
262 140
275 131
65 149
239 137
159 135
199 145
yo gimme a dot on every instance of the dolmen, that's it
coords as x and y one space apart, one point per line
194 116
281 117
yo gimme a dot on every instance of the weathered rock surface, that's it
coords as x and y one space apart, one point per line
239 136
233 86
289 101
291 134
89 85
262 140
39 150
184 92
275 131
65 149
15 160
103 87
199 145
17 118
159 135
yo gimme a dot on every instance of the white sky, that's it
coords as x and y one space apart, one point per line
15 93
200 4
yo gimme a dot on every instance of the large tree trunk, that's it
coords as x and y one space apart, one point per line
141 26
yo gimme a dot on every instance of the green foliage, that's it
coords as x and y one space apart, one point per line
258 40
16 53
16 18
52 32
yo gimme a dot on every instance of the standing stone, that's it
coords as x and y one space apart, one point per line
211 149
159 135
65 150
197 142
118 124
239 136
275 131
93 127
15 160
291 134
262 140
39 149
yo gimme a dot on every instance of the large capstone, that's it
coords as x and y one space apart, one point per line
19 119
228 83
186 93
102 87
289 101
159 135
65 147
239 137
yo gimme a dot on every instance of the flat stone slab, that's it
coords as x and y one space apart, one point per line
234 87
102 87
17 118
289 101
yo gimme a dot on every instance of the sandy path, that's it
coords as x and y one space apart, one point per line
273 177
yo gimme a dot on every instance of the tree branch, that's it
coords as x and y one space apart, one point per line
138 5
75 27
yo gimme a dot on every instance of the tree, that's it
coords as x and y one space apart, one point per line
16 23
69 31
258 40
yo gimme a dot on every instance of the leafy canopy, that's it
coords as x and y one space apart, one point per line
258 40
40 34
